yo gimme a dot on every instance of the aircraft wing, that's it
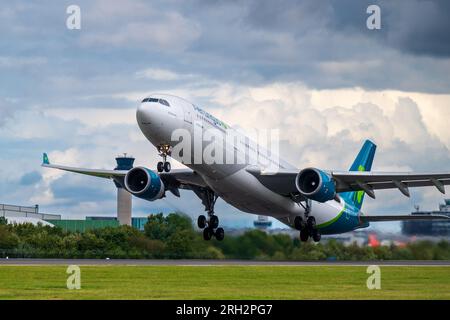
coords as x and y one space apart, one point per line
108 174
283 181
176 178
379 218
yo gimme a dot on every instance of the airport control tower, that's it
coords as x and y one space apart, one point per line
124 202
262 223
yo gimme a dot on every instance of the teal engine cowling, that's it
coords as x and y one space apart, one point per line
144 183
316 185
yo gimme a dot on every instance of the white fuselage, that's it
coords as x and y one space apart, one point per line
231 181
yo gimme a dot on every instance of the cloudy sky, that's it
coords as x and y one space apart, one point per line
312 69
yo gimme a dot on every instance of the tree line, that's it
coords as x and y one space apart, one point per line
174 237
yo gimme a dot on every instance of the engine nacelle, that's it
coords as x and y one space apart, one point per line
144 183
316 185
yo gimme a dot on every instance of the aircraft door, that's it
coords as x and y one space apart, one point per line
188 110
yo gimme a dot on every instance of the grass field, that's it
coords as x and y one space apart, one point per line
224 282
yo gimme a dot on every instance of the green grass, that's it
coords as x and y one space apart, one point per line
224 282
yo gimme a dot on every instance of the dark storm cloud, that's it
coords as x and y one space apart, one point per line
417 27
262 41
421 27
250 42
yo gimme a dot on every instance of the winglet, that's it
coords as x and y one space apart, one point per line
45 159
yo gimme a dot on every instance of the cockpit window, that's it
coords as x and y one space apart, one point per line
149 100
164 102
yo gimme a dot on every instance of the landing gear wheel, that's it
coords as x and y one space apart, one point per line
316 235
298 223
167 167
311 224
213 221
164 151
304 235
201 222
220 234
207 234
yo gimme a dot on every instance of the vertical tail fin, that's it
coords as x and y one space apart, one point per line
363 162
45 159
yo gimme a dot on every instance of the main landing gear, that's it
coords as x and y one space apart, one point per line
164 151
209 225
307 228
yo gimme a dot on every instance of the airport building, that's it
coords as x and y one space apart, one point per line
91 223
22 214
438 228
136 222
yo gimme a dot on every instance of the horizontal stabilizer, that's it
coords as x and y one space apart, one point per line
404 217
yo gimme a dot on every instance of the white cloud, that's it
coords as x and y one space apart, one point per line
162 75
20 62
159 31
349 67
94 117
158 74
6 112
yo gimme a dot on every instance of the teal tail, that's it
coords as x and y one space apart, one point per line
45 159
363 162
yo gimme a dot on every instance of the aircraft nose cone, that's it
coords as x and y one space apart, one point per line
142 113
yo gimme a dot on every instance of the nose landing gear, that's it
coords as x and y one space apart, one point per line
163 166
164 151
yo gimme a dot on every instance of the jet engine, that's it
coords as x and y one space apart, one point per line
144 183
316 185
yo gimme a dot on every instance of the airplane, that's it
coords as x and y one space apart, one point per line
312 200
